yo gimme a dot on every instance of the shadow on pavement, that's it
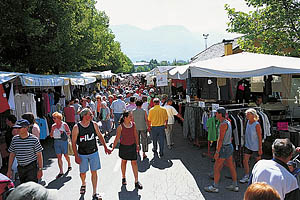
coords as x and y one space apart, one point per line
124 194
160 163
143 165
60 182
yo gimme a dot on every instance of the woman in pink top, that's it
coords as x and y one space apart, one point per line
128 146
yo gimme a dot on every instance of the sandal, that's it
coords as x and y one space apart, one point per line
59 175
82 189
124 181
97 197
138 185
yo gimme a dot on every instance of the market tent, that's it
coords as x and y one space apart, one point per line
240 65
35 80
78 79
159 70
7 76
97 74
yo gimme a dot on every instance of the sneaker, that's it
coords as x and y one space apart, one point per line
233 188
211 188
245 179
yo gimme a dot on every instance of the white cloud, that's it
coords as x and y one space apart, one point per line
197 15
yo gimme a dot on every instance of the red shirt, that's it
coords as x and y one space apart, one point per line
4 103
127 135
69 113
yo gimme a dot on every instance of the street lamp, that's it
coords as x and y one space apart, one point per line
205 38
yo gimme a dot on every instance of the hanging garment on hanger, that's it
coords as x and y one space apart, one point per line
4 106
241 135
46 103
11 98
212 126
235 131
204 120
32 104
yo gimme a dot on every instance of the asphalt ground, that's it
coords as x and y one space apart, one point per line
181 174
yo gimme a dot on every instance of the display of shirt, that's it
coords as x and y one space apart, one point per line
11 98
4 106
212 124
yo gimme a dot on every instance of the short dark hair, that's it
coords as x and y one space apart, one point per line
29 117
11 118
132 99
282 148
139 103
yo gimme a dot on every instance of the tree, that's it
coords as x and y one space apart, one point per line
272 27
50 36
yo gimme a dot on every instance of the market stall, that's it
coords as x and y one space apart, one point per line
240 80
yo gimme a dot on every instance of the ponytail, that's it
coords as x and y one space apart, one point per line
125 114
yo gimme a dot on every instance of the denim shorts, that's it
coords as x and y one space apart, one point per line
226 151
61 147
89 161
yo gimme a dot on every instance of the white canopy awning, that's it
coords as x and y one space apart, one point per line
240 65
7 76
97 74
159 70
35 80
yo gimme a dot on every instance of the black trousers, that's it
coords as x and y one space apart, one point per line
28 172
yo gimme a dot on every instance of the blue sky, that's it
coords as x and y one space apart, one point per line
199 16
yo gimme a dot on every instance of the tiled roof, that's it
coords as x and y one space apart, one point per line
214 51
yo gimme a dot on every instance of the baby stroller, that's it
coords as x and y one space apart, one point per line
6 186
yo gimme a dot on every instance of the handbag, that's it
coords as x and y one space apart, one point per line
70 148
64 136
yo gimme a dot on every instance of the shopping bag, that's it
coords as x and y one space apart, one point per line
70 149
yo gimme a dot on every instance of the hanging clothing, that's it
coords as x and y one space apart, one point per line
43 128
235 131
11 98
46 103
4 106
212 127
204 120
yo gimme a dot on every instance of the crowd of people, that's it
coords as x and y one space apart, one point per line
137 113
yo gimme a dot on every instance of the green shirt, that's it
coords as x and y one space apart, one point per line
212 128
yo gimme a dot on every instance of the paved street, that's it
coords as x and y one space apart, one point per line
181 174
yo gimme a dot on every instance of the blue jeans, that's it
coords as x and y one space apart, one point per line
117 117
158 134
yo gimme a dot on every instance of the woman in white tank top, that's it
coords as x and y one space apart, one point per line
60 145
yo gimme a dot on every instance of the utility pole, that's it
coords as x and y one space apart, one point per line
205 38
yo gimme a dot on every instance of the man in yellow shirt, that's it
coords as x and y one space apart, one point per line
158 118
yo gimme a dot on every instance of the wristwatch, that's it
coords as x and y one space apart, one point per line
40 169
217 152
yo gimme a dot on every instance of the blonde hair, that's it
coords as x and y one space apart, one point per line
57 115
261 190
253 112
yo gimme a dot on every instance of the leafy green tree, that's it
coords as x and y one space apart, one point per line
51 36
272 27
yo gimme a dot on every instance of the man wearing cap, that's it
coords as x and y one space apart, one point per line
158 118
223 153
276 172
28 152
118 107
